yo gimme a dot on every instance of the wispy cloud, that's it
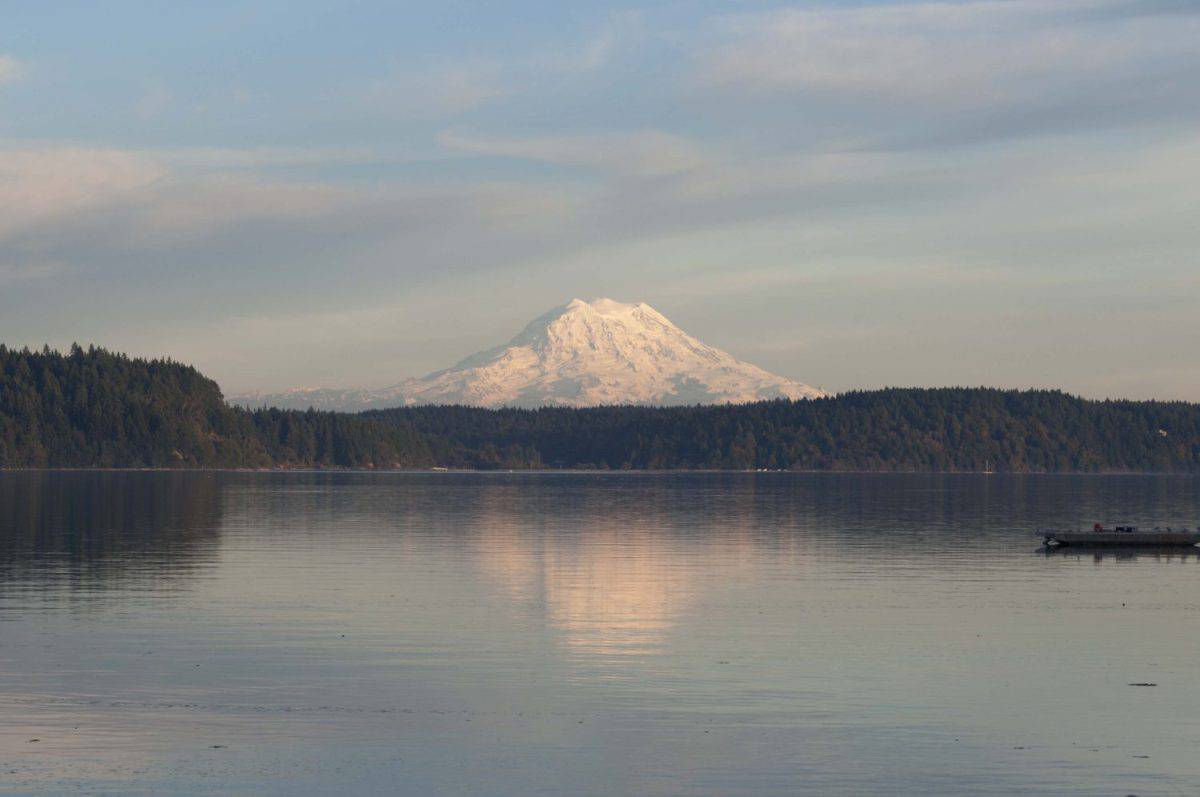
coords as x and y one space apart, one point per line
620 31
230 158
640 153
939 49
156 194
125 212
436 91
1012 66
40 183
453 88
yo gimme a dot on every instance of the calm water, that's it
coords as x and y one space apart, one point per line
568 634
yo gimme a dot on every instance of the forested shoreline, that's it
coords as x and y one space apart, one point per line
896 429
94 408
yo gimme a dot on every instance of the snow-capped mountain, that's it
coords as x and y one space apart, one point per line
580 354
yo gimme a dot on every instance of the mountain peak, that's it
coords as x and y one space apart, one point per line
605 306
584 353
629 312
601 351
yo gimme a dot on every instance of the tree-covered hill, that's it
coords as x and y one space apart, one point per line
94 408
945 429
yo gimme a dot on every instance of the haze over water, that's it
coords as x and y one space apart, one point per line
591 634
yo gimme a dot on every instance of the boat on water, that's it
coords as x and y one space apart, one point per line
1122 535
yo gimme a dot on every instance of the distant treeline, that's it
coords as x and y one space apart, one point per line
94 408
945 429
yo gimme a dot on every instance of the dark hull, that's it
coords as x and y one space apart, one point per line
1143 538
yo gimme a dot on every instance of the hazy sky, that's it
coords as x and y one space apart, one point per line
854 195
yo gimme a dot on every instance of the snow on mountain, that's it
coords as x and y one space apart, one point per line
579 354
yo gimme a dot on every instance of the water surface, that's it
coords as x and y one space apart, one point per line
591 634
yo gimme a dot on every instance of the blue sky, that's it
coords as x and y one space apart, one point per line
853 195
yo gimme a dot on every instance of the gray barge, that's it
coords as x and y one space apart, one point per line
1122 535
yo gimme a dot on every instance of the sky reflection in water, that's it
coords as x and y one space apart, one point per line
523 634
